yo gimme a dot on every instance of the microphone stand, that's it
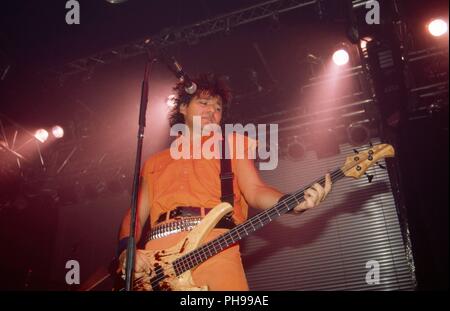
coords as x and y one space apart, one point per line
131 247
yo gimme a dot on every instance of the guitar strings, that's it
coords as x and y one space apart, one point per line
182 260
207 247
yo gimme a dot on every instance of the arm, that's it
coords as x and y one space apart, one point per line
261 196
256 192
143 212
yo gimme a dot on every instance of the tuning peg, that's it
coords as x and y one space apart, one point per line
369 177
381 166
355 151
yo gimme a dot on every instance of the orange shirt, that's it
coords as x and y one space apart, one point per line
191 182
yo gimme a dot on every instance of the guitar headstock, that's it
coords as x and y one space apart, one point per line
356 165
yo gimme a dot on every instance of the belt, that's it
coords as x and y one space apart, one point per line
185 218
182 211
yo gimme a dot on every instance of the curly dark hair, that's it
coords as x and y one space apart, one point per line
208 82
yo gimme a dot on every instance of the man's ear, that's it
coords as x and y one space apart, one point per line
182 109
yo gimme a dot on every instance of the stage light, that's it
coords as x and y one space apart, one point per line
341 57
41 135
57 131
438 27
115 1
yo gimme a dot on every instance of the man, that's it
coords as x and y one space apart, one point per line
194 185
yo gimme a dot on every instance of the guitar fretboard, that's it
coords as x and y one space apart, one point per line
206 251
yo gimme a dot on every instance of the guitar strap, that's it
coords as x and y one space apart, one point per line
226 174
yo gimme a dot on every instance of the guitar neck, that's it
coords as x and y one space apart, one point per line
258 221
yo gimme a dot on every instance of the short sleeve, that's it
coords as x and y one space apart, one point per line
242 146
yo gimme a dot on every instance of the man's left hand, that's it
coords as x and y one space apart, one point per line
314 195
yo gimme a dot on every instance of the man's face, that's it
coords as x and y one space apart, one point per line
209 108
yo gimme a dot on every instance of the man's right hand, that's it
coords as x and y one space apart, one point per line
142 265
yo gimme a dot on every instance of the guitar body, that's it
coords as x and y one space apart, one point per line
161 260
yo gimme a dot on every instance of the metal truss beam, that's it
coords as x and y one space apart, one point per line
186 34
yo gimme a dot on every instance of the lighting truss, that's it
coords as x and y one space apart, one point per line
185 34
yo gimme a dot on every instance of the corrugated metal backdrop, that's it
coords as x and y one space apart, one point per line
327 248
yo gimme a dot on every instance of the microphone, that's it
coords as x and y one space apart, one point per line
189 86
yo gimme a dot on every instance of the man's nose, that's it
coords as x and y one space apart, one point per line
210 108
